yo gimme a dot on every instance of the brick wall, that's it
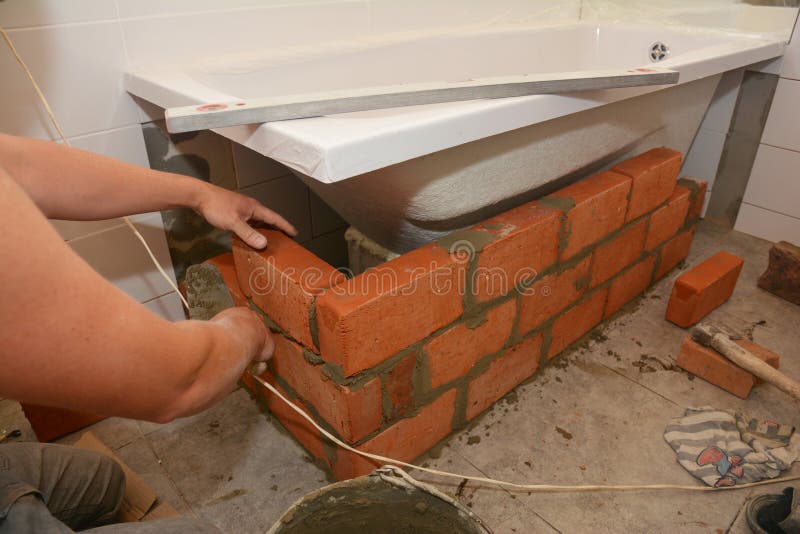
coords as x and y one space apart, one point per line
396 358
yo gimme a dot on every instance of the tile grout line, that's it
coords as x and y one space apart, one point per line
169 477
523 505
739 512
640 384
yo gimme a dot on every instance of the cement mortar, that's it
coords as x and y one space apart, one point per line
370 504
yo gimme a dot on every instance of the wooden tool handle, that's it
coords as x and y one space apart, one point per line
746 360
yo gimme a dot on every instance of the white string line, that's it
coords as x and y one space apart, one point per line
524 487
66 142
337 441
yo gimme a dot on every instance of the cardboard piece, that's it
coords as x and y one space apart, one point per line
140 502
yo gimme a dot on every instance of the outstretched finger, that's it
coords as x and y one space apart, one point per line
249 235
264 214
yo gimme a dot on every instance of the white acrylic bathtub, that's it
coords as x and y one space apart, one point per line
406 176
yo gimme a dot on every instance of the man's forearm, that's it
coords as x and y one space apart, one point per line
74 184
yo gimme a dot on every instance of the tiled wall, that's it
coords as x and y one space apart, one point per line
770 209
79 49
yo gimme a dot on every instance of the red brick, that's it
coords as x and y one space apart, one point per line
629 284
224 263
504 374
668 219
405 440
452 353
697 197
283 281
525 243
610 258
399 385
552 294
673 252
352 413
303 431
387 308
577 321
700 290
654 174
712 367
600 203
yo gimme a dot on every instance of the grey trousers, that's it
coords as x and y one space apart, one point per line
55 489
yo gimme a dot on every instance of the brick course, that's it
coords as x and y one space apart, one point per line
283 281
391 360
453 353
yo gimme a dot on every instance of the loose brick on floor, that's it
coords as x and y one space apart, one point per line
715 368
703 288
673 252
552 294
283 281
629 284
654 175
668 219
405 440
610 258
504 373
352 413
593 208
452 353
782 276
577 321
376 314
224 263
525 243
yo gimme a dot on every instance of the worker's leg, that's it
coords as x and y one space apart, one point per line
57 488
178 525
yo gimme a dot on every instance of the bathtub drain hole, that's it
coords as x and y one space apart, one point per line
658 51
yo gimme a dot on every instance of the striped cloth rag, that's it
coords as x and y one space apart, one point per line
724 449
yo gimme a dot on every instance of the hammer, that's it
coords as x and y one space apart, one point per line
713 337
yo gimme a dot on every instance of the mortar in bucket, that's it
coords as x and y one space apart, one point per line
387 501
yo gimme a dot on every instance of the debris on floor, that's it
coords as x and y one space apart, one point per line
700 290
724 449
782 276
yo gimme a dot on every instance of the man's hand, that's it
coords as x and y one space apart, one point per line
244 325
233 211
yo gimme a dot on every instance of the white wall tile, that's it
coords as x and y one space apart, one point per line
143 8
79 68
287 196
124 144
783 124
703 158
767 224
790 68
253 168
23 13
187 37
718 116
119 257
167 306
775 181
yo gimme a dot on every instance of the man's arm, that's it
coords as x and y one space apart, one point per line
73 184
69 338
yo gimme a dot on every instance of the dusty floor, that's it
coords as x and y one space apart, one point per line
596 417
